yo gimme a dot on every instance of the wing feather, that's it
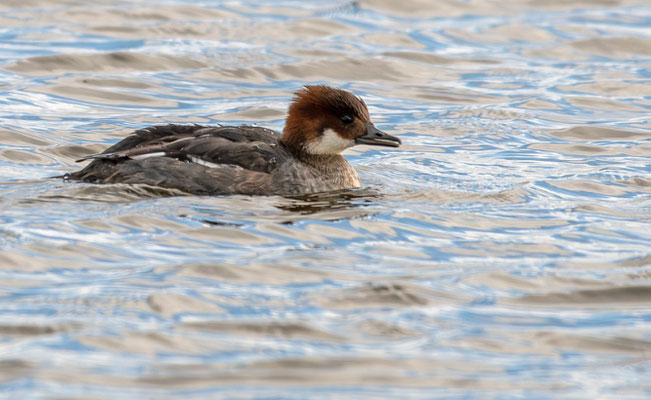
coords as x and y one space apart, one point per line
192 158
249 147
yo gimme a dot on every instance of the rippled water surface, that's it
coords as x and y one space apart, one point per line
504 251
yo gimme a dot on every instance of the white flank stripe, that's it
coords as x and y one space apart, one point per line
205 163
148 155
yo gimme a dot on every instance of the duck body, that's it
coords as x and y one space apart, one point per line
249 160
217 160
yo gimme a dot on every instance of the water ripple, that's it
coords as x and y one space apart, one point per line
502 251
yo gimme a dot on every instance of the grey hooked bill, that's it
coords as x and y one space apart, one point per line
374 136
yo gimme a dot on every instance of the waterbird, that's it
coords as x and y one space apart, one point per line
322 121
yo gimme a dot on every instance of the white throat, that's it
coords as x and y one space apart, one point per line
329 143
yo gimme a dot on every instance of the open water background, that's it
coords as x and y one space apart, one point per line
504 251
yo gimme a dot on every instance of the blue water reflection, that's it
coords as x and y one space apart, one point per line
501 252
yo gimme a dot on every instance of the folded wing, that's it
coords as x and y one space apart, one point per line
236 159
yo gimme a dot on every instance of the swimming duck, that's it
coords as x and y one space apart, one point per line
306 158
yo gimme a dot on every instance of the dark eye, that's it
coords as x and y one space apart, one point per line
346 119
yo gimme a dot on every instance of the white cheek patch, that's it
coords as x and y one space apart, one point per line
329 143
